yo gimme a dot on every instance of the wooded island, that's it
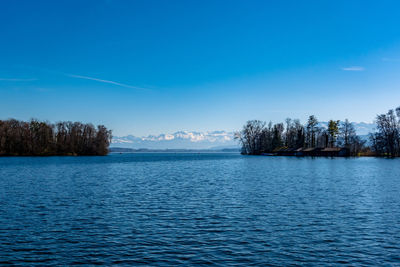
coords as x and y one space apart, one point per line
337 139
36 138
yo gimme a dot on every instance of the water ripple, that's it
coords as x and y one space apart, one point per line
189 209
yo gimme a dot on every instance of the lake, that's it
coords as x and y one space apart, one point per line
188 208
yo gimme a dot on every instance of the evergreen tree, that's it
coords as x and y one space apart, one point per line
333 131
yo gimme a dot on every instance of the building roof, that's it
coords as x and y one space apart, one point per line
332 149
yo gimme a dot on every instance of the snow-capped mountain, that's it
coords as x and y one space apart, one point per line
178 140
362 128
200 140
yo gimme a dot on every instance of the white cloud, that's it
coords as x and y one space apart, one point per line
353 68
387 59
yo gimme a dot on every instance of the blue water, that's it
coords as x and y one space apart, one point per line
170 209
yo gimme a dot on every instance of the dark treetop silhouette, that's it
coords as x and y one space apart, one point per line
293 138
36 138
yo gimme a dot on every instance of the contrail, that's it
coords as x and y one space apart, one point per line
105 81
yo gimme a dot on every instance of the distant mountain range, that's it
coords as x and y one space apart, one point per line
179 140
213 140
362 128
146 150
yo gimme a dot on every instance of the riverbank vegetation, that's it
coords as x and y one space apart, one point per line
258 137
36 138
386 140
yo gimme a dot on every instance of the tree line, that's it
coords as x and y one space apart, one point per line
258 137
38 138
386 140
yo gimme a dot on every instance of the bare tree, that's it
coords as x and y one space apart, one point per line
386 141
312 129
250 137
43 138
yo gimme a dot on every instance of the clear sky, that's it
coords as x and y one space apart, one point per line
150 67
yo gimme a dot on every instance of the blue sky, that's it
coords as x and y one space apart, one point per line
149 67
